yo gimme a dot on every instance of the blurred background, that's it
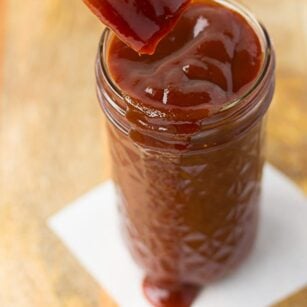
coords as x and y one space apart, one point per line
53 145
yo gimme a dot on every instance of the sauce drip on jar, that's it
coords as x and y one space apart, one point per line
176 296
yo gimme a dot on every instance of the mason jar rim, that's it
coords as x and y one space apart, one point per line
260 30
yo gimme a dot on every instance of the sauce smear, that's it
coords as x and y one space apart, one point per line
163 296
140 24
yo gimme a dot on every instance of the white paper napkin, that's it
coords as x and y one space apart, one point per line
276 268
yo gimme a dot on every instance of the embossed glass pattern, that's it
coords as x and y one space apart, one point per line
191 216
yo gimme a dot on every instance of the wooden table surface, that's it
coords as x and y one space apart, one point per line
53 145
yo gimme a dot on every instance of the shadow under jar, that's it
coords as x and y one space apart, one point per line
188 194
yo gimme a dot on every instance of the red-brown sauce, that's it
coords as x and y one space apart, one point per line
190 216
139 23
181 295
210 58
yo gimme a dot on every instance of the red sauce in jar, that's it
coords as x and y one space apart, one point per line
141 24
187 172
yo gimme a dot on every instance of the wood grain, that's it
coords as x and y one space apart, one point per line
2 35
53 145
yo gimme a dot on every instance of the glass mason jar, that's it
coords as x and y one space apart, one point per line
190 215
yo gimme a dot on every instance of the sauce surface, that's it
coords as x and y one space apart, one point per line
210 58
141 24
